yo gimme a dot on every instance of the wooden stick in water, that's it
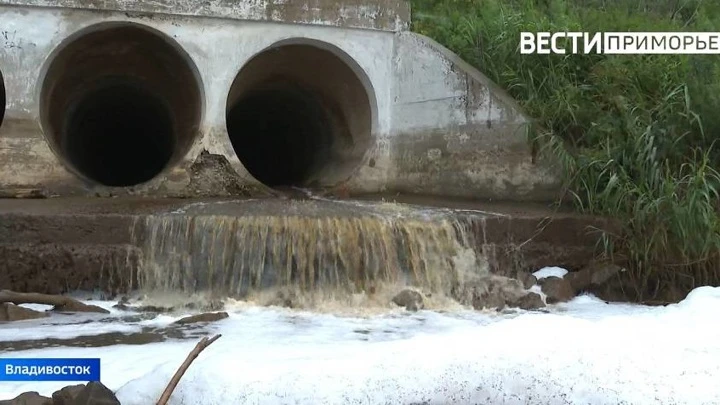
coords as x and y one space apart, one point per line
202 344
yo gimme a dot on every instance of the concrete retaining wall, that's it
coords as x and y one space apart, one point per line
431 124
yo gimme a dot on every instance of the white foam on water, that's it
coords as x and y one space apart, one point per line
584 351
546 272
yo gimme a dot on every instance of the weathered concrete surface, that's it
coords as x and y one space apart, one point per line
456 132
434 125
388 15
55 268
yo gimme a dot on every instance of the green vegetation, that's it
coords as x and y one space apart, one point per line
636 134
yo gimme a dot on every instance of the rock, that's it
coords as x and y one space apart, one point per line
530 301
410 299
579 280
11 312
593 275
557 289
67 395
671 294
490 292
527 279
152 308
603 272
95 393
77 306
28 398
155 308
206 317
60 303
123 304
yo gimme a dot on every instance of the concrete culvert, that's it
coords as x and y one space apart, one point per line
299 115
120 103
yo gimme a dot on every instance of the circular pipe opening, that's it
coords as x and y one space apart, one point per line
299 115
120 103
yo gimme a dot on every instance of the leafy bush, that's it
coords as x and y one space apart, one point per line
635 133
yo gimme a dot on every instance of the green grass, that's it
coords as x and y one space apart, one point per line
636 134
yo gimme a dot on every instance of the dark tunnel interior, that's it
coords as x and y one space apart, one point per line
297 115
286 133
2 98
116 123
119 104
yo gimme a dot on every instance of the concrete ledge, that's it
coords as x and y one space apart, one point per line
56 268
60 245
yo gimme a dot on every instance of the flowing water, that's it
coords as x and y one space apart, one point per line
317 249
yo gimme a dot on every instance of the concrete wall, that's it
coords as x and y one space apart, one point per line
454 132
437 126
389 15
